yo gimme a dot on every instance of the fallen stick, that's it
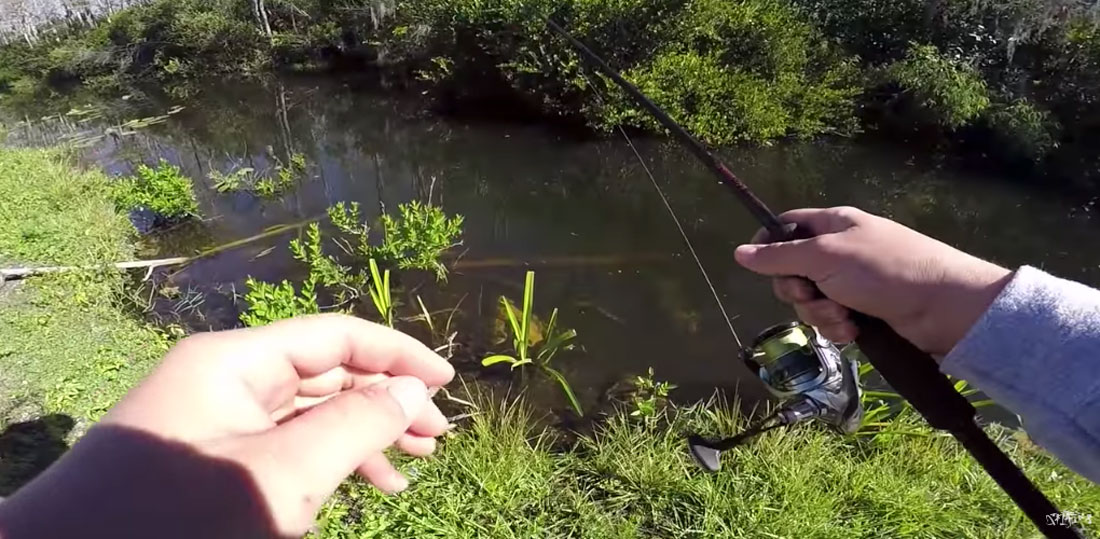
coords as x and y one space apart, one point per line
13 274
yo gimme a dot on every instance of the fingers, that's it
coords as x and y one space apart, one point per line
844 332
314 345
803 258
816 221
337 379
793 289
378 471
829 317
325 444
821 312
417 446
430 422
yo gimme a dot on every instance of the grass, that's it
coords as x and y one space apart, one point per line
68 345
499 476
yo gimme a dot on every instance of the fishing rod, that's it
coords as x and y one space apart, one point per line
913 373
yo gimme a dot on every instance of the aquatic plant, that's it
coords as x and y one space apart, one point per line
380 295
268 302
269 183
238 179
417 237
164 190
539 350
443 338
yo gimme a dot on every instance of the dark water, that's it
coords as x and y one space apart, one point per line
581 213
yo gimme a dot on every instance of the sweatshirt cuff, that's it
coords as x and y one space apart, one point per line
1034 352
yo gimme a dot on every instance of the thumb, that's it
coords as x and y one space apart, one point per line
323 446
801 258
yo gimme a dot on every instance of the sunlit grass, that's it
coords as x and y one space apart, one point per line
67 343
500 476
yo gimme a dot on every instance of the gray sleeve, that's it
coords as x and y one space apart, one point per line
1036 351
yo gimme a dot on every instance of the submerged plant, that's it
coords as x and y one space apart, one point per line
163 190
417 238
532 350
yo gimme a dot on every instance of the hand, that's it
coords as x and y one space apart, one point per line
280 414
929 292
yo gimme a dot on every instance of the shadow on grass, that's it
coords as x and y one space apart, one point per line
28 448
121 482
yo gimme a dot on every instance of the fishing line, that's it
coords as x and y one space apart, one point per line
675 218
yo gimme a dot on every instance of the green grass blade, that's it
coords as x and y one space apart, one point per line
566 388
427 315
499 358
528 303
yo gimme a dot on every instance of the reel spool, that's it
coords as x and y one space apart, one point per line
808 372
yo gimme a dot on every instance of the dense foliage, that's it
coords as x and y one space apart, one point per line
1020 78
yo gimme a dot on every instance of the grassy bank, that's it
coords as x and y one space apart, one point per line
1015 81
71 345
500 477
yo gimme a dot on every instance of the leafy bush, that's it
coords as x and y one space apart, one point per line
952 92
417 238
731 71
164 190
268 302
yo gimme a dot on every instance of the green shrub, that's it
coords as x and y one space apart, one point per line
753 70
417 238
268 302
164 190
952 92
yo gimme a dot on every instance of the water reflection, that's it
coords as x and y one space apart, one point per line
580 212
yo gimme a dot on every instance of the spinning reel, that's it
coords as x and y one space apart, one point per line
811 375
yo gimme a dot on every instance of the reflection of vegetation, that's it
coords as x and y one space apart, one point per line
164 190
535 346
